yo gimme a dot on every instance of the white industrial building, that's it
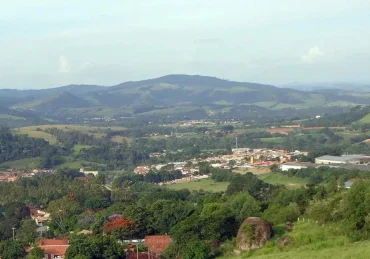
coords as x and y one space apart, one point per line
345 159
292 165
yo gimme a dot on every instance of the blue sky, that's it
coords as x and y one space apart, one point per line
48 43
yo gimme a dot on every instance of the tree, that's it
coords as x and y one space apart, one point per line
120 228
196 250
277 214
27 234
243 206
37 253
248 182
62 211
167 213
97 202
16 210
94 247
11 249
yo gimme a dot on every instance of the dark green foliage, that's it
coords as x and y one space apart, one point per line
221 175
14 147
96 247
97 202
37 253
277 214
164 214
11 249
27 234
196 250
247 183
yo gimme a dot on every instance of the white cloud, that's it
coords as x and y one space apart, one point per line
313 55
63 64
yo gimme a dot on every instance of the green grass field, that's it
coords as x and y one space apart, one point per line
289 182
77 164
77 148
310 241
27 163
206 185
277 140
37 134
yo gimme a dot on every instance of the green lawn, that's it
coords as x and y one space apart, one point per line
27 163
277 178
77 148
206 185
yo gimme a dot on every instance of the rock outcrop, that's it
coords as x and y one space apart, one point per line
288 226
254 233
284 241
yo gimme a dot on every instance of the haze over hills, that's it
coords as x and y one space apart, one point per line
174 94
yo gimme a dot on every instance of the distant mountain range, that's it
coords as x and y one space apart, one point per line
329 86
172 94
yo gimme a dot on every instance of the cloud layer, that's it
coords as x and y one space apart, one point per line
63 64
314 54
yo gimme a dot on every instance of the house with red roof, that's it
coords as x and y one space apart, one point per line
54 248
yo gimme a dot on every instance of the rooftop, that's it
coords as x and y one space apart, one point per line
341 158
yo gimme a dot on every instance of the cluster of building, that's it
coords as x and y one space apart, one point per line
240 157
11 175
205 122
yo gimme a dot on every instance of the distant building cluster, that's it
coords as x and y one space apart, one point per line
240 158
12 175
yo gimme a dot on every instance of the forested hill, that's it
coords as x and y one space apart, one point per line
14 147
357 117
172 94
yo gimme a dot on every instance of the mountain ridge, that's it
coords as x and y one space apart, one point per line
176 90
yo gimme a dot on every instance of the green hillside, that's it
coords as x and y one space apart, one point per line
54 102
170 92
310 240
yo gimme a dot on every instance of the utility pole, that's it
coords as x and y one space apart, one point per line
137 251
236 142
13 232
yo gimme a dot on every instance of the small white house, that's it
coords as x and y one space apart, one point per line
288 166
86 172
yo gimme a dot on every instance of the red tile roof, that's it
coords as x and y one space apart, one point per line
54 246
53 242
157 244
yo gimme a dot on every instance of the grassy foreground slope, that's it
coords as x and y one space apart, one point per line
310 241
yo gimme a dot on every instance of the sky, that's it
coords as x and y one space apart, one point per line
49 43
